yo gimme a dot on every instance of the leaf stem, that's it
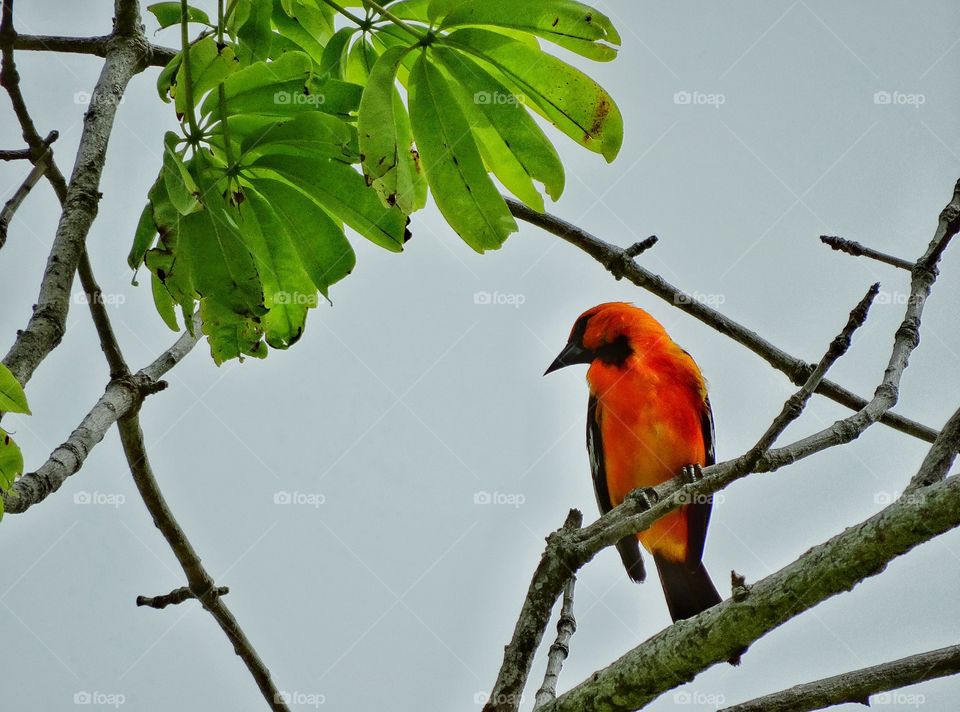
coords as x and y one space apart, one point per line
384 12
346 13
188 88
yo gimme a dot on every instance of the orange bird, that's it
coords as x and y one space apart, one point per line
648 419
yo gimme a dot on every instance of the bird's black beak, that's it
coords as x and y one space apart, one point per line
571 354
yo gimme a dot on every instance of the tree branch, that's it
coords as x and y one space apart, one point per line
857 250
97 46
176 597
200 583
857 686
615 261
126 55
560 650
120 397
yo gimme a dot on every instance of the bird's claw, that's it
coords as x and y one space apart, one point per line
648 497
691 474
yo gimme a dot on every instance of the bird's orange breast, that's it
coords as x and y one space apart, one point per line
650 414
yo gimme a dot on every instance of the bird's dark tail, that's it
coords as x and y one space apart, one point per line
688 592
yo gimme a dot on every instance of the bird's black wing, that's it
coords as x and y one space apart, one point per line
698 513
628 547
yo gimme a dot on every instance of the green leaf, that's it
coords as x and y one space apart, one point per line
505 126
12 397
229 334
255 87
385 138
11 461
169 13
287 288
572 25
209 65
464 192
325 253
360 61
315 134
164 303
333 61
220 265
143 237
308 27
254 33
179 184
166 82
342 191
411 10
567 97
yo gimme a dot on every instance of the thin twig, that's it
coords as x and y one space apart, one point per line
857 250
560 650
858 685
199 581
176 597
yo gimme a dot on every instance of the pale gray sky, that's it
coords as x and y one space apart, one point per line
406 398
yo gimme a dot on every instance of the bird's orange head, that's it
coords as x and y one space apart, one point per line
610 333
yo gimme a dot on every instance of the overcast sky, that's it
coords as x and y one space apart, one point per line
383 585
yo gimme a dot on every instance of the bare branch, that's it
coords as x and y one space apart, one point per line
199 581
176 597
125 56
615 261
96 46
939 458
857 686
122 396
13 204
566 627
857 250
548 581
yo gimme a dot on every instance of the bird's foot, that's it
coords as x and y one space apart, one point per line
648 497
691 474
